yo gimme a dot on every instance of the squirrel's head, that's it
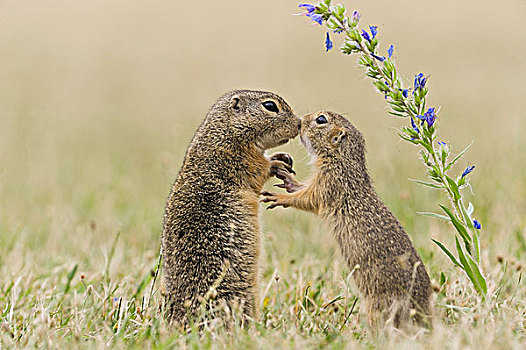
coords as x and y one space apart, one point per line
257 117
329 136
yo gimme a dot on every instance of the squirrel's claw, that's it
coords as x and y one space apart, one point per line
279 168
284 157
281 160
289 182
274 198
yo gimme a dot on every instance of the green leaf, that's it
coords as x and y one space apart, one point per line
471 227
389 66
478 274
425 157
408 138
427 146
426 131
428 184
472 270
476 244
412 108
433 215
353 35
398 109
457 157
466 267
458 225
374 43
397 114
443 156
467 216
417 99
454 188
410 132
448 253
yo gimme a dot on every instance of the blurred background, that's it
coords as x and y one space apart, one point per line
99 99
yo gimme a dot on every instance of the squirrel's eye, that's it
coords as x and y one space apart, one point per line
321 119
270 106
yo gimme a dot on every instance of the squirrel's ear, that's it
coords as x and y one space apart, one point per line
336 135
235 103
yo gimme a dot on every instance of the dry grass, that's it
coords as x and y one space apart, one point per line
99 101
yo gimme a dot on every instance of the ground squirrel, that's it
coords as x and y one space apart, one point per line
211 238
388 271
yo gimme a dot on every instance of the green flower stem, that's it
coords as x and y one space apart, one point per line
387 82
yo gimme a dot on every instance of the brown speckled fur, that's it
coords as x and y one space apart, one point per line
391 276
211 232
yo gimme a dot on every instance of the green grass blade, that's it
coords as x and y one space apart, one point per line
110 256
521 240
70 276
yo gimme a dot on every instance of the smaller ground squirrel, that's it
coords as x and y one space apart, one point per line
388 271
211 238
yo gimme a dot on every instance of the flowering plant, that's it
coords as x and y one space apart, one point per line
410 103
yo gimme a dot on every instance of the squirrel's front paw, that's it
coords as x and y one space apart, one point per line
281 167
284 157
275 198
280 164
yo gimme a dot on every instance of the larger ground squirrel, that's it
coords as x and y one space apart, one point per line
388 271
211 238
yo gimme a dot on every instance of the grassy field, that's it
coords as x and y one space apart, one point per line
99 100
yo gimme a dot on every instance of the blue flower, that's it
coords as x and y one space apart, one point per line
430 116
405 92
366 35
356 16
477 224
420 81
415 128
328 43
379 58
468 170
373 30
443 144
390 51
315 17
310 8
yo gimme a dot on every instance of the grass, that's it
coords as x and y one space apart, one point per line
93 132
79 252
